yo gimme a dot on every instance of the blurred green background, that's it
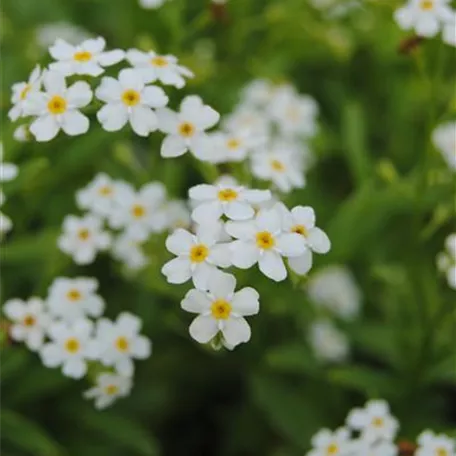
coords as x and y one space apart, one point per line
380 190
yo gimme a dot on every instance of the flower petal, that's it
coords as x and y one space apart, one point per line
222 285
272 266
196 301
243 254
44 128
143 120
203 328
173 146
79 94
291 244
74 123
74 368
238 210
301 264
154 96
179 242
246 302
304 215
318 241
236 331
177 270
113 116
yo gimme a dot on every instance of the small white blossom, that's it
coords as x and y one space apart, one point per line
235 202
444 138
128 99
108 388
328 443
70 347
21 93
30 321
118 343
83 237
198 255
221 309
431 444
58 107
89 57
249 119
263 241
129 251
73 299
186 129
163 68
446 261
328 343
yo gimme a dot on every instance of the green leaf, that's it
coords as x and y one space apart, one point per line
292 358
14 361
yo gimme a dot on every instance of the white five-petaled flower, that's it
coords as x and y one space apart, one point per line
301 220
128 99
221 309
431 444
198 255
89 57
328 342
426 17
446 261
444 139
328 443
263 241
142 212
374 422
129 251
118 343
58 107
73 299
108 388
71 346
83 237
186 129
30 321
163 68
21 92
235 202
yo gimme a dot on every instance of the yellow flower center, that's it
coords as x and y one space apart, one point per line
106 190
122 344
300 229
29 320
159 61
265 240
186 129
83 234
427 5
277 165
227 194
332 449
82 56
221 309
74 295
378 422
233 143
110 390
198 253
131 97
57 105
138 211
25 91
441 452
72 345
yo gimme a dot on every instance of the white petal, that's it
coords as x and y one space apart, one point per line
236 331
304 215
196 301
256 196
109 90
269 220
154 96
167 120
243 254
238 210
202 274
404 18
129 323
301 264
179 242
245 302
427 26
14 309
241 230
94 45
61 50
291 244
203 328
143 120
318 241
125 366
111 57
35 339
203 192
113 116
173 146
131 79
222 285
141 348
220 255
272 266
44 128
79 94
74 123
74 368
205 117
207 212
177 270
54 82
51 355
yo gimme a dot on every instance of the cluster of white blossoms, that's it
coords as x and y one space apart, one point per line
121 219
237 227
371 431
444 139
446 261
427 18
68 331
8 172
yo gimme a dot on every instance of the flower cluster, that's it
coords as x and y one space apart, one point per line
446 261
8 172
68 331
371 431
116 204
427 18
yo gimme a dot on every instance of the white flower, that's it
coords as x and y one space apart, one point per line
21 92
381 448
88 57
151 4
258 93
374 422
119 342
280 167
328 343
446 261
233 201
129 251
8 171
444 138
431 444
198 255
70 347
178 214
57 108
73 299
426 17
221 309
163 68
186 128
142 212
82 238
30 321
100 195
22 133
301 220
334 288
263 241
47 34
108 388
128 99
328 443
250 119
